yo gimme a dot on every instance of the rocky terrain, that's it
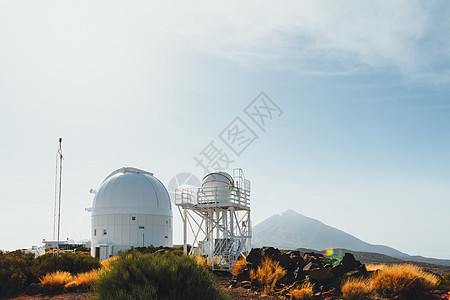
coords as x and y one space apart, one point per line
376 258
302 268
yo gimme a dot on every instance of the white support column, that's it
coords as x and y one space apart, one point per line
225 221
208 237
184 231
232 221
249 232
217 222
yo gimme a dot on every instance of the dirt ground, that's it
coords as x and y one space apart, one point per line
65 296
238 293
224 281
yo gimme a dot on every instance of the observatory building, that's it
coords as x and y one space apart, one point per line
131 209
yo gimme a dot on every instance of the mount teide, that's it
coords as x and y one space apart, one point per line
291 230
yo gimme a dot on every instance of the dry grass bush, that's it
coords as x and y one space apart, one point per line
356 289
83 280
267 274
404 280
107 262
304 293
374 267
201 261
240 265
56 280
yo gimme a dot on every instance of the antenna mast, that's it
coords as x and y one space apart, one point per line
57 209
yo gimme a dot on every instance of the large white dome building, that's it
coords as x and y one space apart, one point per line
131 209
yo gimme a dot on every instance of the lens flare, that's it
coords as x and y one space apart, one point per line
333 255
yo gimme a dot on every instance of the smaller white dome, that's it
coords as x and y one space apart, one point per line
217 179
132 191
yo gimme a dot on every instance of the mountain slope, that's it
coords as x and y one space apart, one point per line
291 230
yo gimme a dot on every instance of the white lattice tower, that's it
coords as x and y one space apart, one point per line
218 217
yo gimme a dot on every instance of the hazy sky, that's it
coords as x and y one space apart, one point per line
362 143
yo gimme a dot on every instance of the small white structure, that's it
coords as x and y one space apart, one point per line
131 209
37 251
223 205
66 245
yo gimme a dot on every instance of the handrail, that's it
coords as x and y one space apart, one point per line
213 196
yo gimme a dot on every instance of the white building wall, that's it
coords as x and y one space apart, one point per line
123 232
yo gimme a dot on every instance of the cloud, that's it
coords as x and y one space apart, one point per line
324 37
319 38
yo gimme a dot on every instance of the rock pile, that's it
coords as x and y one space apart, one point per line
325 274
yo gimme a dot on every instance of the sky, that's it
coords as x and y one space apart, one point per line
358 136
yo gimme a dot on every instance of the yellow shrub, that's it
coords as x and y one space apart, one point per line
83 279
240 265
304 293
107 262
61 279
201 260
403 280
267 274
56 280
374 267
356 289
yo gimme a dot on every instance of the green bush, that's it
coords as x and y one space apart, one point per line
16 271
151 249
157 276
82 249
68 262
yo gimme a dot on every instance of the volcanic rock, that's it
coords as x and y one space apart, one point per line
310 266
321 274
303 268
346 264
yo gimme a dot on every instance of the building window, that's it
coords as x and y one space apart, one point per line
133 218
167 221
95 232
165 237
141 227
105 232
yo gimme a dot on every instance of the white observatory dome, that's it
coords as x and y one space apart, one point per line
131 209
130 190
217 179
